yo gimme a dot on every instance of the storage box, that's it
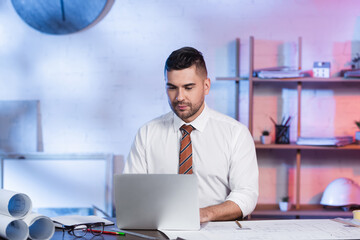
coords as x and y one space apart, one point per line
321 69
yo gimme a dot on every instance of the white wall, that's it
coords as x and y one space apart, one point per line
96 87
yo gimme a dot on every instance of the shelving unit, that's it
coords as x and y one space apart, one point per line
258 145
300 210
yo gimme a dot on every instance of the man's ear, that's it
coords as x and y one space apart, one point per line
207 85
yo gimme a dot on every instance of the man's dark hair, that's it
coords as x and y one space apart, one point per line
184 58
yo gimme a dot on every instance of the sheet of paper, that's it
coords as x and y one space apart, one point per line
11 228
40 227
131 233
13 204
348 221
77 219
271 229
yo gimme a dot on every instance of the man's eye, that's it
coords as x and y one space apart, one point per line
189 88
170 87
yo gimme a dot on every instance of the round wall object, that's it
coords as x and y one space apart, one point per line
61 16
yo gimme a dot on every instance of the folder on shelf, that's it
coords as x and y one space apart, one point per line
278 72
279 68
319 141
352 73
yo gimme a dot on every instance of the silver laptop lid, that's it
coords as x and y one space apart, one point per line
157 201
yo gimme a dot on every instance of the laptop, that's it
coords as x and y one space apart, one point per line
157 201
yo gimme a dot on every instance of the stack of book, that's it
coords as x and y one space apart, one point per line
355 73
319 141
278 72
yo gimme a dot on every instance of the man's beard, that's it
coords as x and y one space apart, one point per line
192 110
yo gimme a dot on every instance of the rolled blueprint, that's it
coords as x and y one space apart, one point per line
14 229
40 227
13 204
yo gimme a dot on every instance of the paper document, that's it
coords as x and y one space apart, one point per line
15 229
271 229
131 233
280 74
13 204
40 227
348 221
333 141
70 220
352 74
13 207
18 223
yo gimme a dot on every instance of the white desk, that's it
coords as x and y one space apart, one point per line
271 229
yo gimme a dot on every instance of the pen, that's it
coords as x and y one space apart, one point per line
241 227
273 120
287 121
238 223
107 232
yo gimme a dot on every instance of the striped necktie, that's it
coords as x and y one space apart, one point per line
185 159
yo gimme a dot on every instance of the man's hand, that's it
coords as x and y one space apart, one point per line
222 212
205 215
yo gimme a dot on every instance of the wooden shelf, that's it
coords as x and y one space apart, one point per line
297 149
258 145
272 210
231 78
303 80
309 80
299 209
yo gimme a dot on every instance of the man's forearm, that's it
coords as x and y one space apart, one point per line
225 211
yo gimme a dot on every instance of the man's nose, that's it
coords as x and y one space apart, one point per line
180 95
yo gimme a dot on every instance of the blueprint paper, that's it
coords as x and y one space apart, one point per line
13 204
40 227
14 229
271 229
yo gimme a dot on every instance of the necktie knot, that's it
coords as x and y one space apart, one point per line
186 129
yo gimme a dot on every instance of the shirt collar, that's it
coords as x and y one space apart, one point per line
199 123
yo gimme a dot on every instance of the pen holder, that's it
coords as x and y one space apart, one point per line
282 134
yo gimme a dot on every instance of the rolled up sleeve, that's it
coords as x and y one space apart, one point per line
244 173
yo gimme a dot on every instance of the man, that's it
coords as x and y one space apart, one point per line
220 150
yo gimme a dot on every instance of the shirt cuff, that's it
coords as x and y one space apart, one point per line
246 202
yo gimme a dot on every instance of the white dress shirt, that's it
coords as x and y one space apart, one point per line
224 158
